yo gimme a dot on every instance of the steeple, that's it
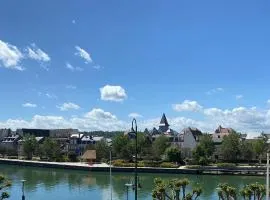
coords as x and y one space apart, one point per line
163 120
163 125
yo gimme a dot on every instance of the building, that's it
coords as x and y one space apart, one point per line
163 125
35 132
188 139
4 133
10 144
62 133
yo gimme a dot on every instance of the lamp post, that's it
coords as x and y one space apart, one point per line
134 131
23 197
111 172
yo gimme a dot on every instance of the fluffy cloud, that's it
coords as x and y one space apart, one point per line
97 114
36 53
83 54
113 93
10 56
68 106
29 105
187 105
72 68
134 115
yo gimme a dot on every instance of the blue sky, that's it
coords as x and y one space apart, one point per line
91 64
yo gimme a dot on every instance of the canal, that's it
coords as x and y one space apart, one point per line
58 184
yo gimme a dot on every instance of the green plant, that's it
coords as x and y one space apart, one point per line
168 165
193 166
226 165
226 192
4 184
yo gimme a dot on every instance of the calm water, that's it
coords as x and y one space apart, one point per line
56 184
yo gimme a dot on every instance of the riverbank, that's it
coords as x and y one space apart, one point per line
103 167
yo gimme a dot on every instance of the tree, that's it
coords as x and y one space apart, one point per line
173 154
226 192
29 146
121 146
255 190
159 146
260 146
172 190
204 150
4 184
50 149
102 150
230 147
246 150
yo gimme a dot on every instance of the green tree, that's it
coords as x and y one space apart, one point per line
254 191
226 192
29 146
102 150
159 146
50 149
246 150
260 146
204 150
4 184
230 147
121 145
173 154
171 190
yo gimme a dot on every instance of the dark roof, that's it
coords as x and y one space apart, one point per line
163 120
194 131
220 129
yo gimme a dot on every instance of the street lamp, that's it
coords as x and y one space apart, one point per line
23 197
134 132
267 175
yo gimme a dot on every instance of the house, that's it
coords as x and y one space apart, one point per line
219 134
75 142
4 133
188 139
35 132
10 143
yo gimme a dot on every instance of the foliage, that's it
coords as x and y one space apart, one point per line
121 147
159 146
102 150
168 165
173 154
50 149
30 145
226 192
193 166
171 190
253 191
226 165
204 150
259 146
246 150
4 184
230 147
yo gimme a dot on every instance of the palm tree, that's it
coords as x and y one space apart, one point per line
184 184
226 192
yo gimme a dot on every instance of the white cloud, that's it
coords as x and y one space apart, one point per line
49 95
72 68
215 90
97 67
29 105
36 53
239 96
68 106
188 105
135 115
83 54
72 87
268 101
113 93
73 21
98 113
10 56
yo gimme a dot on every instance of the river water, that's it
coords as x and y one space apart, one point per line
60 184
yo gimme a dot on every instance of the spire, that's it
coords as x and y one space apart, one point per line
163 120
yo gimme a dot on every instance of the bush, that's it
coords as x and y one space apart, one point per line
150 163
193 166
168 165
226 165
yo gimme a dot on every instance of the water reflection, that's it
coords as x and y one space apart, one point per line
83 183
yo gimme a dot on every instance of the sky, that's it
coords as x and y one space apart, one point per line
94 65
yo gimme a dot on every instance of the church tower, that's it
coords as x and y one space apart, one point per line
163 124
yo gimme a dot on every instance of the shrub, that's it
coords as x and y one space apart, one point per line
168 165
150 163
226 165
193 166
